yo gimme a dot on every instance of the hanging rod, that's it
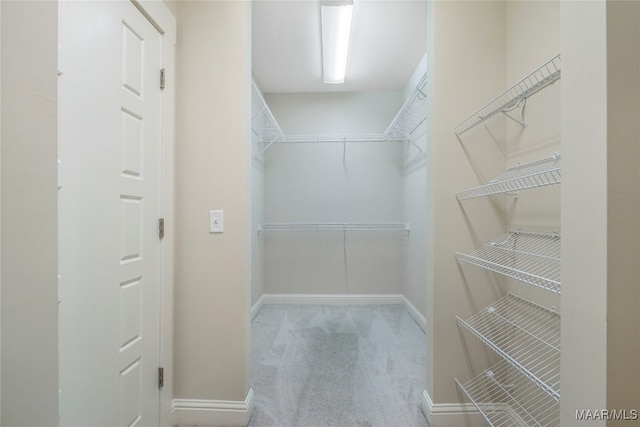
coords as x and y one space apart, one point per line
515 96
534 174
526 335
505 397
532 258
330 226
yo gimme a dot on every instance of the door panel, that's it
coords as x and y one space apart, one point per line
109 205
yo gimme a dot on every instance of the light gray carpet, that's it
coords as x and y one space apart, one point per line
321 366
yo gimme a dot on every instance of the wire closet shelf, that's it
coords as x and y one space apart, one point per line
263 124
411 115
532 258
352 226
526 335
534 174
515 96
506 398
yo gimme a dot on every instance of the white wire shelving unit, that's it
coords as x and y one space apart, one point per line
534 174
330 226
526 335
506 398
411 115
514 97
532 258
263 124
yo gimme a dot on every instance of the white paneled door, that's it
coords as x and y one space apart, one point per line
109 210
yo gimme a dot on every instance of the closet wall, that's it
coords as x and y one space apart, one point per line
415 204
257 207
213 171
466 49
535 209
333 183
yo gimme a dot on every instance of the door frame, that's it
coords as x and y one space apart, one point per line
158 13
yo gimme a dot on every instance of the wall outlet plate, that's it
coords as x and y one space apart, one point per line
216 221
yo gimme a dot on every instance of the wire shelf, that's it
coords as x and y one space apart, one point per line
526 335
505 398
546 74
534 174
411 115
384 226
263 124
532 258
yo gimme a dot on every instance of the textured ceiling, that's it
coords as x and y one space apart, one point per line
388 39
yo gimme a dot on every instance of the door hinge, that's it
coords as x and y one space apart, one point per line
160 377
162 78
161 228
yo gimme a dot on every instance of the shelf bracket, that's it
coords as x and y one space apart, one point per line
415 145
269 144
520 120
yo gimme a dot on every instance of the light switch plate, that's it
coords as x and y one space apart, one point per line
216 221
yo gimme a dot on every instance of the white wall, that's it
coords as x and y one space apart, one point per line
467 67
600 216
415 205
29 291
310 183
623 212
213 171
257 218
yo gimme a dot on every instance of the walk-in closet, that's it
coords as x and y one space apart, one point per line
339 219
343 180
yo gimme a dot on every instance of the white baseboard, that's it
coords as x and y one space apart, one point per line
415 313
212 412
450 414
340 299
255 308
332 299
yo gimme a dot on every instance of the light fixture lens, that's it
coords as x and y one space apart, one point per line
336 28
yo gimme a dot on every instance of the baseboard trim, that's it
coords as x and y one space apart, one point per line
340 299
441 414
256 307
212 412
332 299
415 313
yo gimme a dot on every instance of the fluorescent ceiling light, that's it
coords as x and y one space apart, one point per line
336 27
